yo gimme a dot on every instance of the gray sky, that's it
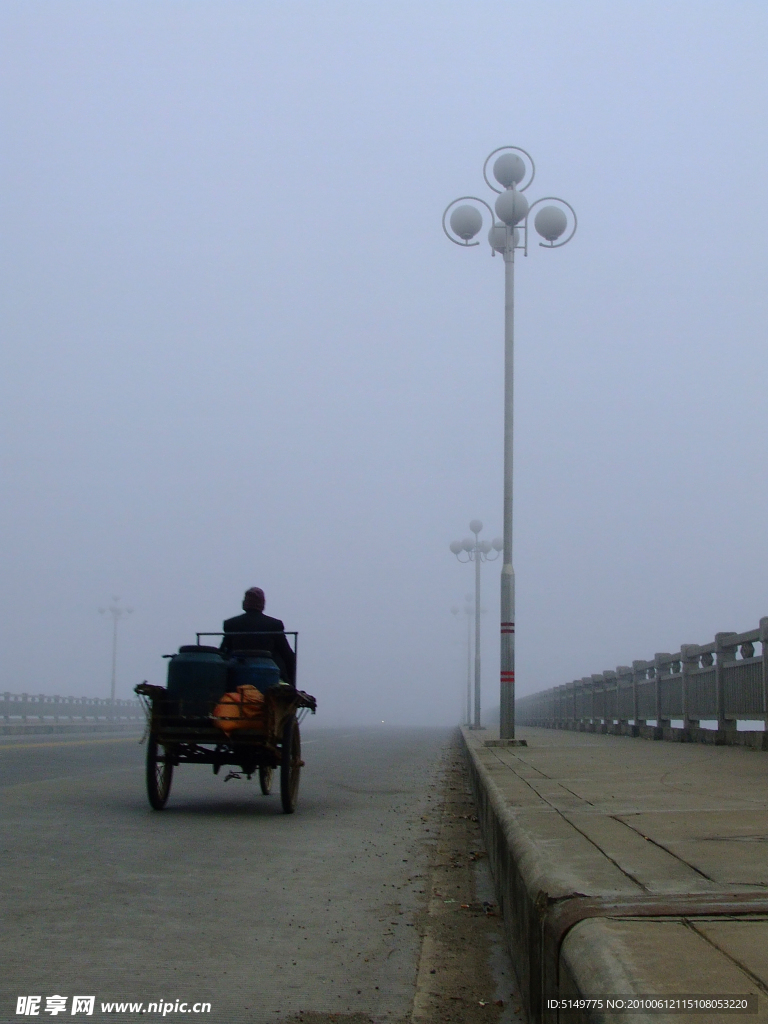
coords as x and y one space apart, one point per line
238 349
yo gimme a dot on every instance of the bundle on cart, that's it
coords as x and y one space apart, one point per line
244 709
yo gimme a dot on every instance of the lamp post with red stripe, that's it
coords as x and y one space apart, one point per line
477 551
511 167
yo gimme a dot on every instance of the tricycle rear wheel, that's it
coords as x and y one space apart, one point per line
290 765
159 774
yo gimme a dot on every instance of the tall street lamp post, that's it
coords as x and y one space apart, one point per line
512 166
477 551
468 612
117 612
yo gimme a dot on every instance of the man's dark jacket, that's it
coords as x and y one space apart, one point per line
253 623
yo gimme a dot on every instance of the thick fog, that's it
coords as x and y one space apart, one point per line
238 349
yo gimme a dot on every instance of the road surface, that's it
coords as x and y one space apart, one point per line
220 898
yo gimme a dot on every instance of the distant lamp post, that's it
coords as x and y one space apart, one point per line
117 612
511 167
468 610
477 551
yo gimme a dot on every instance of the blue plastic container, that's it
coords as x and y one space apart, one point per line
197 678
257 670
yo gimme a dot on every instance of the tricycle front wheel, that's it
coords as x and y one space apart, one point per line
159 774
290 765
265 780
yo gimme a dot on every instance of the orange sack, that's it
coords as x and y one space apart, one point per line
241 710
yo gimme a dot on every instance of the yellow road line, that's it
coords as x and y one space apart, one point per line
66 743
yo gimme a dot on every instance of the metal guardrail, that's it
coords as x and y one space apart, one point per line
26 708
721 682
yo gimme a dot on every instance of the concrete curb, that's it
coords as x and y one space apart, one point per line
513 865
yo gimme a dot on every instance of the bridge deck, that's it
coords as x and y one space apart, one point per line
627 866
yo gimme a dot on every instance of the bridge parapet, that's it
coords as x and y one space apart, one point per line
721 683
30 712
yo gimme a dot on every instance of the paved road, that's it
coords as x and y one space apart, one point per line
220 897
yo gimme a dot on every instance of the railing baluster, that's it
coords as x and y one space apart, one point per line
764 651
723 652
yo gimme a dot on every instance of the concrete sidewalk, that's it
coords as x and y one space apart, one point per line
627 867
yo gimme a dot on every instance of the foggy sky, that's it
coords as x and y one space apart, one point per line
238 349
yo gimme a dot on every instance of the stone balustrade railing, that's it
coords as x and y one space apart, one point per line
721 683
26 709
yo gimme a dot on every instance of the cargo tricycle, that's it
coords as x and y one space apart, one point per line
225 708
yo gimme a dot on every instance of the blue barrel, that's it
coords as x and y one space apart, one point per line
253 669
197 678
